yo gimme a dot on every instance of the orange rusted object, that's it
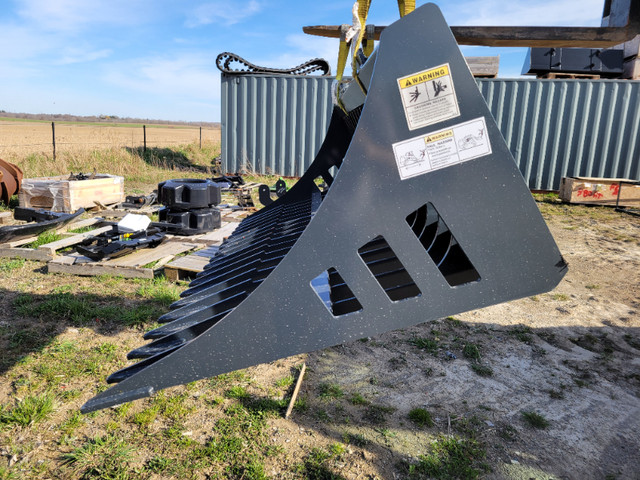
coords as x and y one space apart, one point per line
10 180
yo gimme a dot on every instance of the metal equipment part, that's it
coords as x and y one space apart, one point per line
116 244
42 220
10 180
188 193
190 222
605 63
264 192
226 63
139 201
620 23
417 224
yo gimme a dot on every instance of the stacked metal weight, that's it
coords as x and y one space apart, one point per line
190 205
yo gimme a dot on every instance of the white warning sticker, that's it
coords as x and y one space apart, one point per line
442 148
428 97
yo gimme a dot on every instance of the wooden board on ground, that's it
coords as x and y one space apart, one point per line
600 191
17 249
217 236
187 267
144 263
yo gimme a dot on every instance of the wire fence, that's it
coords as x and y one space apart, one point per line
53 138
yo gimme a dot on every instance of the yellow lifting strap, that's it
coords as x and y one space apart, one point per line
363 12
369 38
406 6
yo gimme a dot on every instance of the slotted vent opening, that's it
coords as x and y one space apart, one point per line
443 248
335 293
388 270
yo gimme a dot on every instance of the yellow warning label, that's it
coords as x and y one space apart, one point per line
424 76
438 136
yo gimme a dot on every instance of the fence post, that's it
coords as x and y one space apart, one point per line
53 134
200 138
144 133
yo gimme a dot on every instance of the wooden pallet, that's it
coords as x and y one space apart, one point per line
187 267
133 265
17 249
569 76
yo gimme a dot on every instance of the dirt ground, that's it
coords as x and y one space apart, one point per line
572 356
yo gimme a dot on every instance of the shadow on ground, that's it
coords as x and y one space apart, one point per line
167 158
30 322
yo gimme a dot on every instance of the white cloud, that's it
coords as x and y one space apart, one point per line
77 55
525 13
299 48
222 12
70 16
190 76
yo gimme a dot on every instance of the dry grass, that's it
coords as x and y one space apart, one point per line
21 139
110 149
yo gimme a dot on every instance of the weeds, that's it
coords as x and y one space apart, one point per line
421 417
358 399
8 265
30 410
427 344
44 238
471 351
450 458
482 370
330 390
535 420
104 457
318 465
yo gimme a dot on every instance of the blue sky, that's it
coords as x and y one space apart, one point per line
156 58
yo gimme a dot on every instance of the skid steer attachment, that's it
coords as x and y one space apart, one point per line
427 216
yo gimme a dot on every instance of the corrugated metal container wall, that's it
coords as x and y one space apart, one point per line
554 128
273 124
562 128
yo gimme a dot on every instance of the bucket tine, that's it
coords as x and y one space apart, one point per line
427 216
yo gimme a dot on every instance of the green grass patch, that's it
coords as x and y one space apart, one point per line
330 390
8 265
285 382
471 351
482 370
82 310
44 238
535 420
428 344
319 465
421 417
450 458
239 443
237 391
104 457
30 410
522 333
358 399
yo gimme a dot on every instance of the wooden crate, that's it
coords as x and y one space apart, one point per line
599 191
483 67
60 194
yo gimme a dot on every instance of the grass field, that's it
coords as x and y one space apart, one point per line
117 150
545 387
